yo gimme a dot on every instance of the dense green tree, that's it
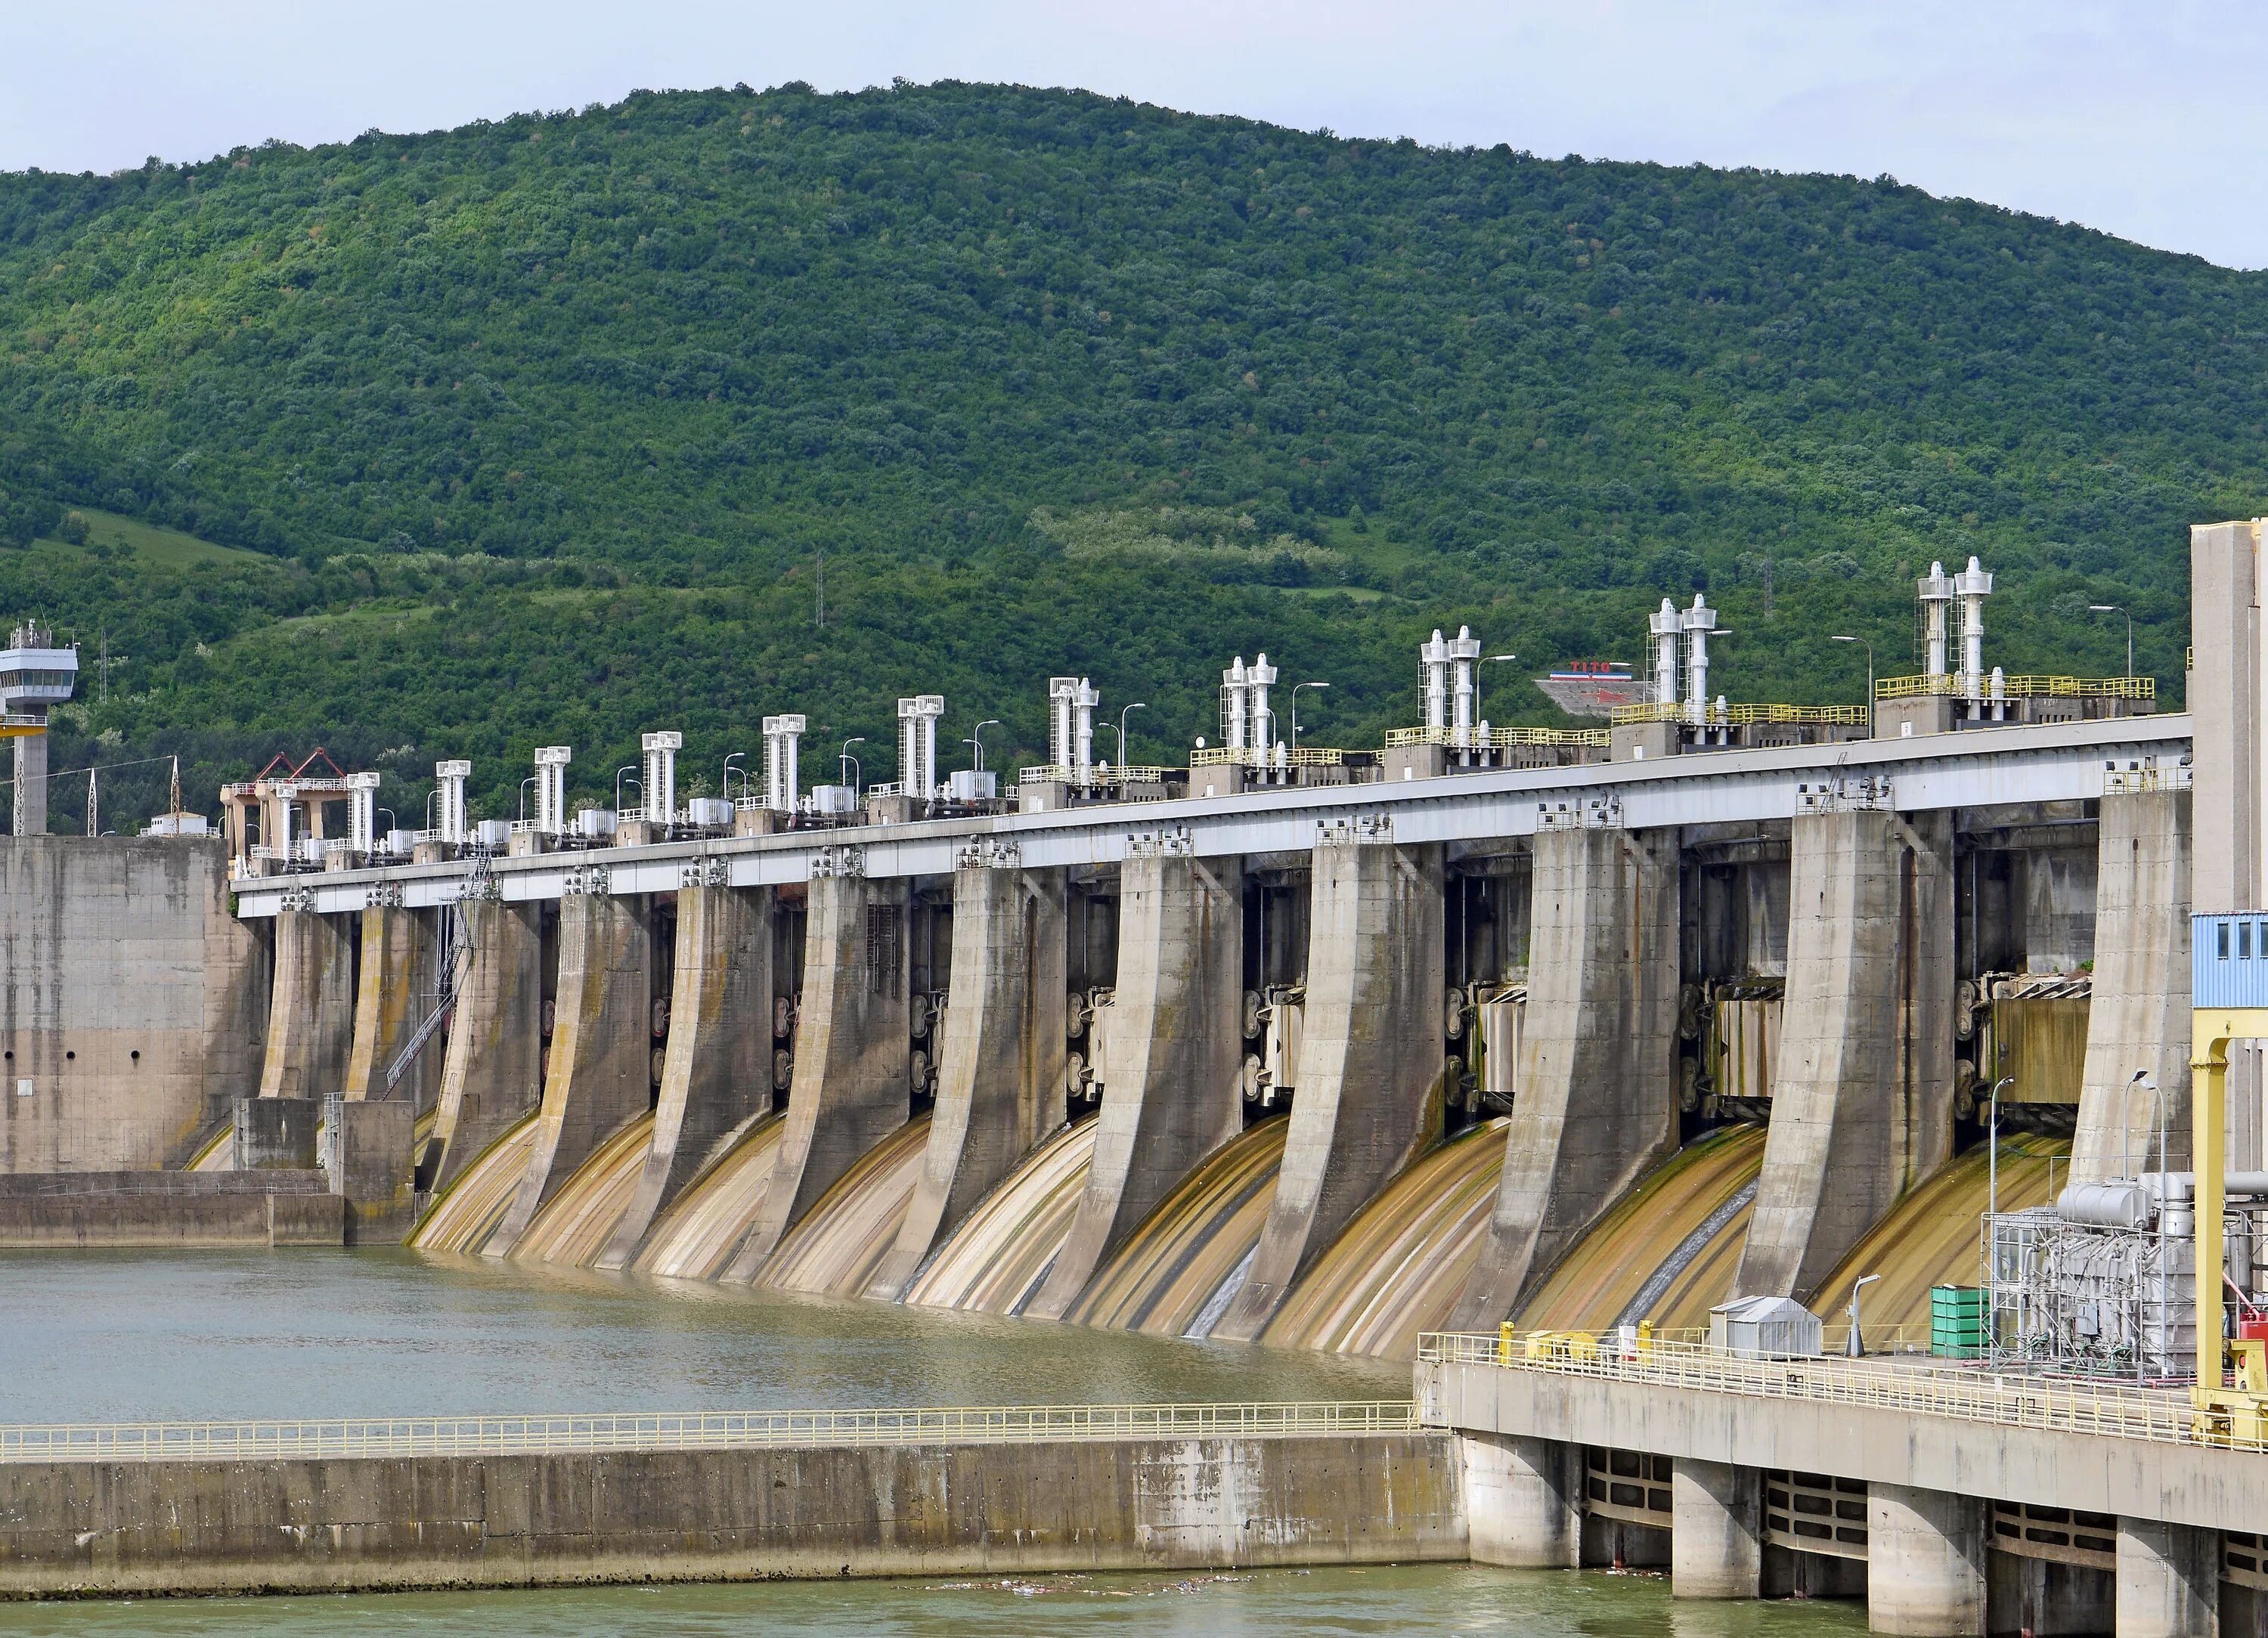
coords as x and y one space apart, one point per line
539 429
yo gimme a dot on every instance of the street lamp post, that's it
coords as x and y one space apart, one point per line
1869 647
1139 705
2113 608
845 762
1494 659
976 739
1295 708
627 767
1855 1346
729 760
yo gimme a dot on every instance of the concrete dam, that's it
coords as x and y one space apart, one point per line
1563 1027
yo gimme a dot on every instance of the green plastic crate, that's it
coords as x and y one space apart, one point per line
1956 1322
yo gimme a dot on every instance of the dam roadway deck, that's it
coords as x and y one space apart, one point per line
397 1504
1467 812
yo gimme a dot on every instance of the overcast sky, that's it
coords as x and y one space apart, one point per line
2143 120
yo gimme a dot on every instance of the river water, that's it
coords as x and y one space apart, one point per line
112 1336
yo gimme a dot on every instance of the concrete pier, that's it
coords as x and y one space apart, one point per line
311 1007
1716 1534
1523 1500
2139 1016
1925 1561
1369 1096
851 1061
394 981
600 1072
371 1168
1000 1073
276 1134
1862 1106
717 1066
118 1528
493 1072
2168 1579
1597 1056
1177 1045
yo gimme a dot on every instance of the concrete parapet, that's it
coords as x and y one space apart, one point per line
372 1167
716 1067
1925 1561
1597 1055
1369 1096
1177 1045
392 981
225 1526
2169 1580
851 1060
2139 1014
170 1209
1000 1071
1523 1500
600 1072
311 1007
1716 1531
1863 1089
276 1134
492 1072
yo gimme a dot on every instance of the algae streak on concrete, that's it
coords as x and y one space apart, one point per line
106 1529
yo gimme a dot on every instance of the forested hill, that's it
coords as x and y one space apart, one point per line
538 429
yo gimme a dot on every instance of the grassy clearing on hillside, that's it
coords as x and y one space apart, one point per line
152 543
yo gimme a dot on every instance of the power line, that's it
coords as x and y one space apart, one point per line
96 768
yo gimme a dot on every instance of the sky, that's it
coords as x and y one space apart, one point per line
2138 119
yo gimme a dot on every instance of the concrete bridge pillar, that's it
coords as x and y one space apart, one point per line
1000 1074
1925 1563
600 1073
1862 1093
849 1089
1523 1500
716 1067
1369 1096
1597 1075
2169 1580
2139 1016
1177 1047
492 1072
310 1008
392 986
1716 1531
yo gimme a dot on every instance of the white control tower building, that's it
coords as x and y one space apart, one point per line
35 674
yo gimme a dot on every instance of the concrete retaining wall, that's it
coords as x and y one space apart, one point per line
106 1529
133 1005
173 1210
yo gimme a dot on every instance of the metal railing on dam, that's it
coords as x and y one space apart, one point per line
343 1438
1958 1393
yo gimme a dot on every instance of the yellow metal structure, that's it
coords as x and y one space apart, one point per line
1495 739
2237 1412
2020 688
18 727
1742 716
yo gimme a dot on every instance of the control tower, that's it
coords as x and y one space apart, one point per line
34 675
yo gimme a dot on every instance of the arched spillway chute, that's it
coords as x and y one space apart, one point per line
839 1246
1666 1251
697 1234
1185 1253
470 1208
1398 1267
574 1224
1935 1237
995 1261
217 1153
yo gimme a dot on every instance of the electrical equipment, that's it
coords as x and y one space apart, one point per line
449 791
551 789
918 744
782 735
361 813
661 784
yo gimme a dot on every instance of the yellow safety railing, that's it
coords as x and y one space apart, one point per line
1498 738
1730 716
1965 1392
1056 774
1283 756
2020 688
715 1431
